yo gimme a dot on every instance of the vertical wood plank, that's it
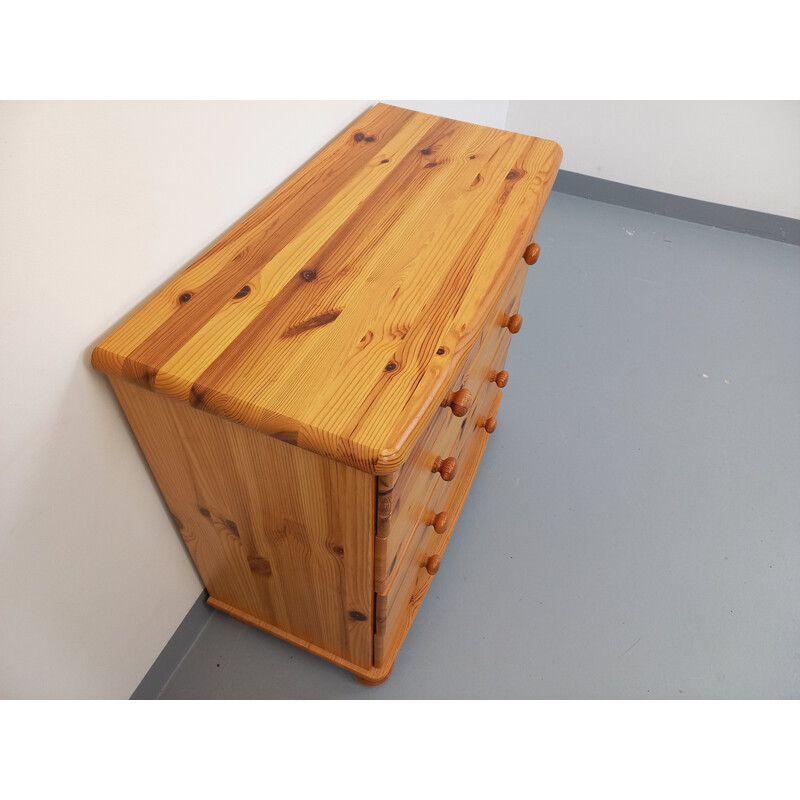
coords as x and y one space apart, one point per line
279 533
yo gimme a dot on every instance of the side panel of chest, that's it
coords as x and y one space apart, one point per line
278 533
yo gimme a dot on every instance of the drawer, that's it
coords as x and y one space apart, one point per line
484 369
472 427
403 495
395 611
497 333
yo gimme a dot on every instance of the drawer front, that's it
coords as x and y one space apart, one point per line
490 360
497 334
472 427
403 495
395 611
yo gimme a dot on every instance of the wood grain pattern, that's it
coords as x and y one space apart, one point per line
395 611
488 402
402 494
500 378
314 393
370 676
402 497
336 315
438 521
446 468
495 335
280 534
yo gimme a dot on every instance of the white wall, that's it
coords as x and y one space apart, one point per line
492 113
738 153
100 204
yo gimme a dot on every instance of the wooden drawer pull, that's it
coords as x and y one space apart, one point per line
458 402
445 467
531 254
439 521
432 564
490 425
500 378
513 323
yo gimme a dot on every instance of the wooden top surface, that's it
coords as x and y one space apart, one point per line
334 315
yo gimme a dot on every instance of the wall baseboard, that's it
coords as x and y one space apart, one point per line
756 223
175 650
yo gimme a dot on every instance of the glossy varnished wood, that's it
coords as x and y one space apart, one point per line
489 424
314 393
369 676
336 315
500 378
458 402
396 610
513 323
446 468
374 681
279 534
531 254
439 521
402 496
432 564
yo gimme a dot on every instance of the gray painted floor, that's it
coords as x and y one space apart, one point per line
633 529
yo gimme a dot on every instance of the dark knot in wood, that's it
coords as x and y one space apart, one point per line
312 322
259 565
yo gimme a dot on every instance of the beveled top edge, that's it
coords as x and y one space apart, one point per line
381 447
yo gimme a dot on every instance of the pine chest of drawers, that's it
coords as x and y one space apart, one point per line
315 392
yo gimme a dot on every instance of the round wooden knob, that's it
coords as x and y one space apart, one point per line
500 378
490 426
531 254
513 323
458 402
439 521
446 468
432 564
